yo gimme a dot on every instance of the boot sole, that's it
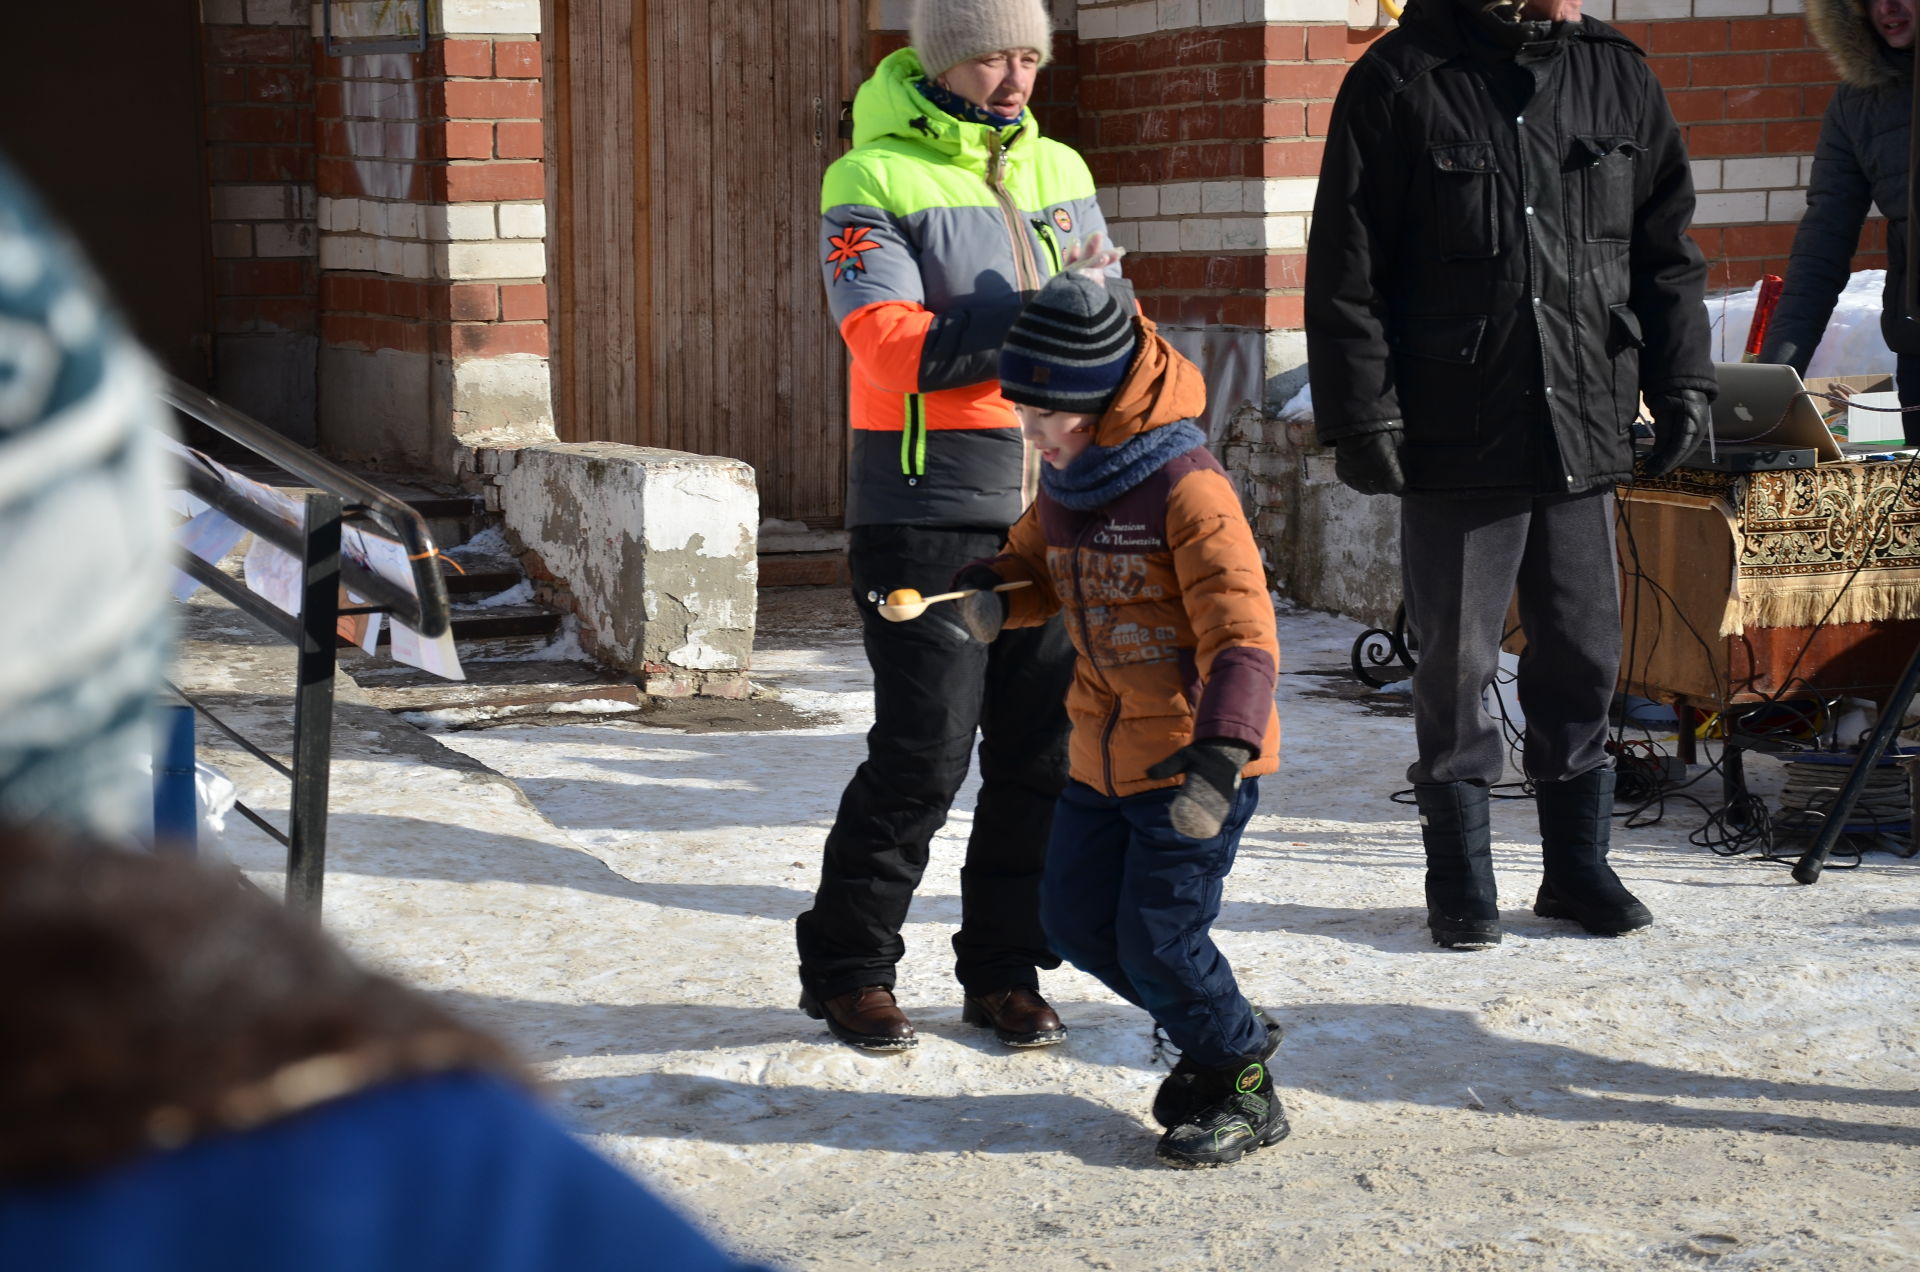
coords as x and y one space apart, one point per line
1632 921
1273 1136
969 1014
859 1041
1466 937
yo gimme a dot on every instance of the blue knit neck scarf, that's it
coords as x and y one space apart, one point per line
1104 473
962 109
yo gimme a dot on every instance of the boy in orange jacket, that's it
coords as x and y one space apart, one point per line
1139 537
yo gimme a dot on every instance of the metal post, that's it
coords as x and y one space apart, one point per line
176 803
1814 859
313 704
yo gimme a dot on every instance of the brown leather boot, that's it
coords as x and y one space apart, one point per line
1017 1015
867 1018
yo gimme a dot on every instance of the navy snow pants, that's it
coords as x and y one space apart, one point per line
1130 900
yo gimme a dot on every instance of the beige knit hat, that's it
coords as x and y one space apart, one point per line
946 33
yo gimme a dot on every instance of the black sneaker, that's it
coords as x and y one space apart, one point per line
1176 1098
1241 1114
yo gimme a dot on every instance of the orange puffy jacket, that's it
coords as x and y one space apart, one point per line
1165 595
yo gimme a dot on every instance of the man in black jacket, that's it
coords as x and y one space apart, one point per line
1859 162
1498 270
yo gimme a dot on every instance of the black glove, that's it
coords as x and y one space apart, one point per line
1213 775
985 612
1370 462
1679 420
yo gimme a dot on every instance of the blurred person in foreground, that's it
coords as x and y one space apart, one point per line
193 1080
1860 162
84 543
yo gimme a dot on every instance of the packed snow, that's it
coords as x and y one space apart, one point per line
1735 1087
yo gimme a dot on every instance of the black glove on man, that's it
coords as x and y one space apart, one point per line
1370 462
1213 775
983 613
1679 420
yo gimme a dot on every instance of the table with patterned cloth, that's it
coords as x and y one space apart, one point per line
1742 587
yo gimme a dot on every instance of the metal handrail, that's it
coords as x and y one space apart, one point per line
427 611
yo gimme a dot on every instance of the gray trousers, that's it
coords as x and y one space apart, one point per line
1463 560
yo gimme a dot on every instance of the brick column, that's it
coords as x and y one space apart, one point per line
1748 85
260 161
1203 120
432 224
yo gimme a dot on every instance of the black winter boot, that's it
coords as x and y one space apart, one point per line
1576 825
1177 1097
1238 1113
1463 910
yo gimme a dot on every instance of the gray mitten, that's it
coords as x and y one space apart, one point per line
985 612
1213 777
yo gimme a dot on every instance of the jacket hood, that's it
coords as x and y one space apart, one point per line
889 106
1162 387
1859 56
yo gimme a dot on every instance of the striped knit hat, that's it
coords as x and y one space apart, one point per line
1069 349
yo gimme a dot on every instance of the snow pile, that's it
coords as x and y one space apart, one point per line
1852 344
520 593
491 542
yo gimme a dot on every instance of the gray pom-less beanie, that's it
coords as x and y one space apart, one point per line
946 33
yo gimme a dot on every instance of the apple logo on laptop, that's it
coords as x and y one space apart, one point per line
1741 412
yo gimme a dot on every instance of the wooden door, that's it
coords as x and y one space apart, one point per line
688 142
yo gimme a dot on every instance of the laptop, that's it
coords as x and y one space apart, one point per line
1763 419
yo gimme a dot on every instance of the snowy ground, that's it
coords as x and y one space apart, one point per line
1734 1088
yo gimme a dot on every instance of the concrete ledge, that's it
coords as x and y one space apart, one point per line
652 550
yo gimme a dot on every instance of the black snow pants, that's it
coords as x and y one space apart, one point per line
933 687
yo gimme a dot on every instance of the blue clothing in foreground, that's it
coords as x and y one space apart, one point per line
460 1173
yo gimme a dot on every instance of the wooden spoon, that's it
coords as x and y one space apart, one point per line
905 603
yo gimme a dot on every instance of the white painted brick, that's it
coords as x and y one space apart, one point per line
471 220
1297 11
1731 8
1788 6
1627 10
1601 9
1108 198
403 220
373 217
1139 201
231 239
1786 205
306 200
1222 196
283 238
496 260
893 15
1137 19
431 223
254 202
1288 194
1806 169
1126 234
1223 12
489 17
348 251
222 12
416 260
1243 233
1180 198
277 12
389 256
1099 24
1771 172
1159 236
1286 232
1731 209
1706 173
1177 15
523 220
1199 234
